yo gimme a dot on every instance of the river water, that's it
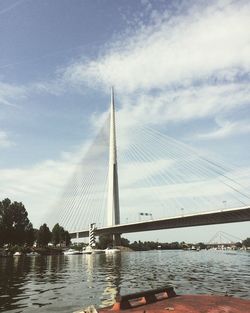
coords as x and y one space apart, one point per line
68 283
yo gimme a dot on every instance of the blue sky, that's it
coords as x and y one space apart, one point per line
178 66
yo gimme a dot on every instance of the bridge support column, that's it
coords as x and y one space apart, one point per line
117 239
113 188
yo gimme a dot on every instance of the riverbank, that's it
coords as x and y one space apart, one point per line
10 251
19 250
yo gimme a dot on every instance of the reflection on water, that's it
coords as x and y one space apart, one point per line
67 283
113 266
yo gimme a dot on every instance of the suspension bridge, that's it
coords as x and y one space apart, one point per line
222 239
156 174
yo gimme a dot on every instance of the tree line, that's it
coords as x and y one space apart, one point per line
16 228
107 240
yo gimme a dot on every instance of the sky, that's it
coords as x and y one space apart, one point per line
181 67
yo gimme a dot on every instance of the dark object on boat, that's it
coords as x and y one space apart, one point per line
164 299
142 298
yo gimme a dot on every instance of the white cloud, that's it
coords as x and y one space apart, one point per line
53 87
42 181
13 94
226 129
10 94
180 67
183 104
186 65
40 186
205 43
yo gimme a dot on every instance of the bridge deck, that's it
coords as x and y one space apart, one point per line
206 218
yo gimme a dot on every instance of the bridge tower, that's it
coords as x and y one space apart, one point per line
113 188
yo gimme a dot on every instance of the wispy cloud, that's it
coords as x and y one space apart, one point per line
190 65
226 129
28 184
184 104
5 140
206 43
11 6
11 94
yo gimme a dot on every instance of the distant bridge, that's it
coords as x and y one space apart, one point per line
223 239
241 214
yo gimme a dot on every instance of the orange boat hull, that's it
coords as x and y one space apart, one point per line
192 304
164 300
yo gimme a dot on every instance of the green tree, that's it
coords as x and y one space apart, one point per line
1 225
43 235
3 228
246 242
30 235
238 244
67 238
105 241
202 245
124 242
15 226
60 235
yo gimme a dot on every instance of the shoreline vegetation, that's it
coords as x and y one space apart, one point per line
9 250
17 235
106 240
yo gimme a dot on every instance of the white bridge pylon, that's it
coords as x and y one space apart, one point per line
113 187
113 208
